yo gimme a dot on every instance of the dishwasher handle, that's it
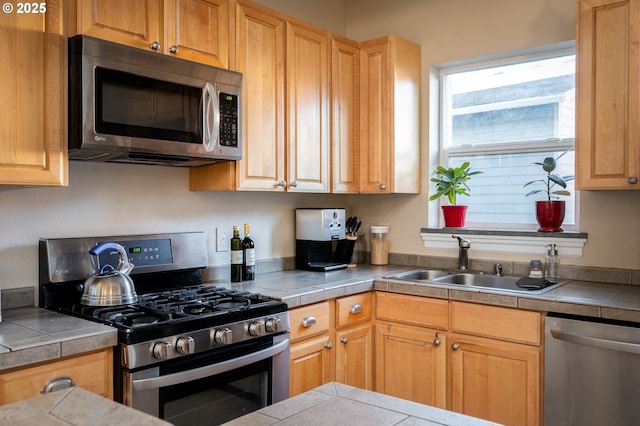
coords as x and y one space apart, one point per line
597 342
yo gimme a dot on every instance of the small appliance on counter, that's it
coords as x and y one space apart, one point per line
321 243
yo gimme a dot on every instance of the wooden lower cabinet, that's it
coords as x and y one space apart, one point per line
312 364
93 372
332 341
494 380
411 363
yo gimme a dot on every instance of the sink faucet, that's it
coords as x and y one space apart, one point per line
463 256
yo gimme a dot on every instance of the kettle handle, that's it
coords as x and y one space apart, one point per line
123 260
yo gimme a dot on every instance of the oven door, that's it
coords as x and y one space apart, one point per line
213 387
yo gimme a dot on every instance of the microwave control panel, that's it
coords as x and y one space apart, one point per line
228 119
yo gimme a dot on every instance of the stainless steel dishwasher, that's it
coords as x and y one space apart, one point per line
592 372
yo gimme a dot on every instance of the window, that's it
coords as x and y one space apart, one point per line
502 116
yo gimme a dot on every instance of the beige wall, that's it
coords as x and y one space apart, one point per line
107 199
453 30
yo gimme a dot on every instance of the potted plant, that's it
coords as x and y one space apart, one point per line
450 183
550 212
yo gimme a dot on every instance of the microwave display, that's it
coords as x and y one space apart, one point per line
135 106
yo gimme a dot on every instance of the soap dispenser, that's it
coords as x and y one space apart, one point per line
551 259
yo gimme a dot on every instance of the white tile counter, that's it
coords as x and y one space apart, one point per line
336 404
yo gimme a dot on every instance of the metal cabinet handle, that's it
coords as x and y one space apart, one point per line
57 383
383 186
308 321
293 184
344 340
437 341
633 180
356 308
455 346
173 49
328 345
155 45
282 183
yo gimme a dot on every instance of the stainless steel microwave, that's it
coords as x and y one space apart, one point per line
129 105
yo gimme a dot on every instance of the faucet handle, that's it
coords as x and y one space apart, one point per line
497 270
462 242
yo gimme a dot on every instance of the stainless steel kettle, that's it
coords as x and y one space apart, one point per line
110 286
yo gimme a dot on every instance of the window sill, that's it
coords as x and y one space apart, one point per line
569 243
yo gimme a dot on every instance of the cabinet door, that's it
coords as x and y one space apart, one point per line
136 23
354 348
390 116
608 103
307 108
93 372
260 55
410 363
33 130
198 30
375 128
495 380
345 113
312 364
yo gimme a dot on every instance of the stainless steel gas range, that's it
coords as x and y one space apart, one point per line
188 352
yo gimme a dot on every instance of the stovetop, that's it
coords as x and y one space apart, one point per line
159 314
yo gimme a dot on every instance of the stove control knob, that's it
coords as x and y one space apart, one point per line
161 350
272 325
186 345
222 336
256 328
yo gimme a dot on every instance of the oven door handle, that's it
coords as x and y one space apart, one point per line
209 370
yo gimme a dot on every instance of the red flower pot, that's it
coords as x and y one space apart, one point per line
550 215
454 216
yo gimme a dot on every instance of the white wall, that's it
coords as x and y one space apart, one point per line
106 199
453 30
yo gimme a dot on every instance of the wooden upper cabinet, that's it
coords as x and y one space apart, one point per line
33 106
307 108
196 30
390 114
608 94
268 46
345 115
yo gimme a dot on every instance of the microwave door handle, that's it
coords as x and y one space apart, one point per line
210 370
211 117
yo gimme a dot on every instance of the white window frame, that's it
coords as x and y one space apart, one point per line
486 148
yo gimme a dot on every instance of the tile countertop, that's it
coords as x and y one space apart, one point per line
31 335
74 407
334 403
577 297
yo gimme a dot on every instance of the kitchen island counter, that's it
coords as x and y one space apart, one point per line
335 403
74 407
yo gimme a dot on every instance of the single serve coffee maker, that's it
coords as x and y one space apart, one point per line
320 240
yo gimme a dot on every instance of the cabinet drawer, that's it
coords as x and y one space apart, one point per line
353 309
309 320
496 322
414 310
93 372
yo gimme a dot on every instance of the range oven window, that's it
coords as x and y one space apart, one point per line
217 399
134 106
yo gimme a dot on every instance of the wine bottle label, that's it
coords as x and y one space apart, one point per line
250 257
236 257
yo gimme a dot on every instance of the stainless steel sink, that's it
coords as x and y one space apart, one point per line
494 282
421 275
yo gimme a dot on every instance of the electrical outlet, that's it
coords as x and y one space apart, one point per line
222 240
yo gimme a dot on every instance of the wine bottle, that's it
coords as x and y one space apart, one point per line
236 255
248 256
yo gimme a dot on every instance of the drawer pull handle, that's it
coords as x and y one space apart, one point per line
356 308
57 383
344 340
328 345
308 321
